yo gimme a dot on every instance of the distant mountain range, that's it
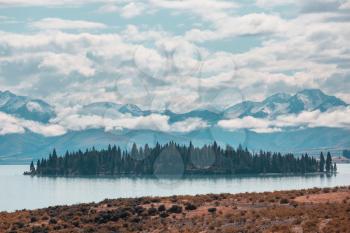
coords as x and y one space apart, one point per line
24 147
283 104
25 107
271 107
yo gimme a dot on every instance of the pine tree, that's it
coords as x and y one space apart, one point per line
38 167
328 162
32 168
322 162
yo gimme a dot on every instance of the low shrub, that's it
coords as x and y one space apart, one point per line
212 210
175 209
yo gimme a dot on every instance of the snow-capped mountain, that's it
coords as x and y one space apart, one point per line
109 109
282 104
206 115
271 107
25 107
131 109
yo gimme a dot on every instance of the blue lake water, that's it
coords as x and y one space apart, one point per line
25 192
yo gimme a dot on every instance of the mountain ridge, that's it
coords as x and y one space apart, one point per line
283 104
26 107
271 107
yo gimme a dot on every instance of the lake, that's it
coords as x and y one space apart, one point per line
25 192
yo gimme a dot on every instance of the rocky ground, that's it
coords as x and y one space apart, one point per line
313 210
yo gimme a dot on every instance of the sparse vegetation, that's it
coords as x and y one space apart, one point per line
313 210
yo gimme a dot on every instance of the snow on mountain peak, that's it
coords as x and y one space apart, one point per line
25 107
282 104
34 107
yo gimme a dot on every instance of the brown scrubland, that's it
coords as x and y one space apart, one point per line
300 211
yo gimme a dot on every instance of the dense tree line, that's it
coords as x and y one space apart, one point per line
173 159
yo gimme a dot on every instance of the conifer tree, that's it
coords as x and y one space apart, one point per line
322 162
328 162
32 168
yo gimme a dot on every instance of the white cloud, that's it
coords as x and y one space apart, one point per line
49 3
133 33
108 8
76 122
34 106
250 24
315 6
8 125
195 4
12 125
273 3
254 124
345 5
189 125
334 118
64 24
337 118
67 63
129 10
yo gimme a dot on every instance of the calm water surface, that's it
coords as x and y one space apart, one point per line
25 192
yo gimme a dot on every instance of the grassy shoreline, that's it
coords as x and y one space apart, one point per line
307 210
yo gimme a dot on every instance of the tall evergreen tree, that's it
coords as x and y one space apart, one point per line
32 168
322 162
329 162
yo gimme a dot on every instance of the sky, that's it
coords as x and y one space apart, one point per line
172 54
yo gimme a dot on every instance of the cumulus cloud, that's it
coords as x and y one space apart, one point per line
254 124
68 63
345 5
133 33
334 118
273 3
250 24
132 9
156 66
129 10
8 125
108 122
189 125
48 3
337 119
82 122
71 120
316 6
13 125
64 24
194 4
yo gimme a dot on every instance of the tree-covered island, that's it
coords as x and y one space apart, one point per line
174 159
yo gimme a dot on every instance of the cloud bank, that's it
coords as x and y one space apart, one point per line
336 119
178 55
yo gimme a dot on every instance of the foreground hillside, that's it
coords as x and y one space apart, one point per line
314 210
